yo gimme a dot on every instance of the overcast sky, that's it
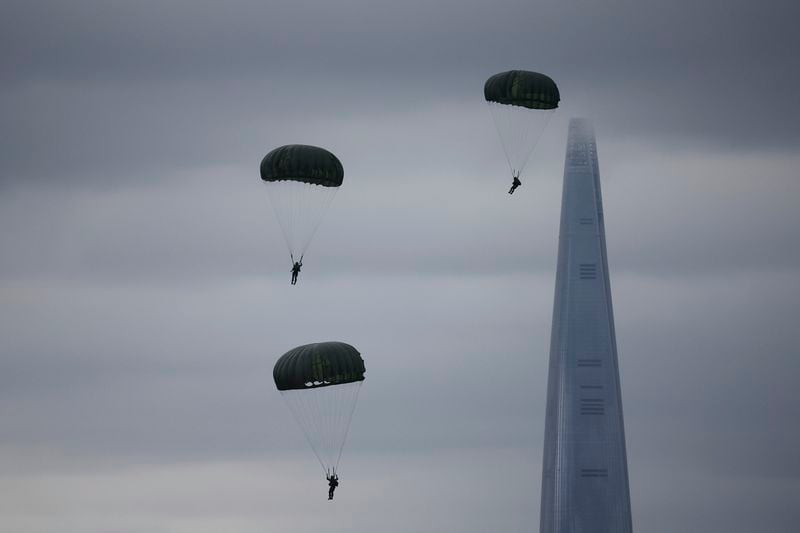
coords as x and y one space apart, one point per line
144 282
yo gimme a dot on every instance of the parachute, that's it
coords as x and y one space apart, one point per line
301 183
522 103
320 384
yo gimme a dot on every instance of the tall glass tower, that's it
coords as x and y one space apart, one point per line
585 472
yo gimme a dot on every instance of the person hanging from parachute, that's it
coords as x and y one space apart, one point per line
521 103
333 482
301 182
320 383
514 184
296 266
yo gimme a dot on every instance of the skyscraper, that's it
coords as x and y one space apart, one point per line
585 472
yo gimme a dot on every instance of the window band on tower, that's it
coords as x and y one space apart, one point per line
594 472
587 271
593 406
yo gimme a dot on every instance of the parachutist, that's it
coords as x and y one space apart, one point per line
521 103
333 482
301 181
320 384
296 270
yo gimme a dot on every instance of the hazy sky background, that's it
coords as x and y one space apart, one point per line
144 283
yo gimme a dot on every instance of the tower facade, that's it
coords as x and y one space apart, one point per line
585 472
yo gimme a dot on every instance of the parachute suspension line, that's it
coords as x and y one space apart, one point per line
347 421
323 407
519 129
324 414
347 396
319 427
299 208
327 200
509 132
330 431
496 120
304 419
343 404
310 424
532 135
281 211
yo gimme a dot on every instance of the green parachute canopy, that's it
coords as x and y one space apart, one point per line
317 365
522 88
303 163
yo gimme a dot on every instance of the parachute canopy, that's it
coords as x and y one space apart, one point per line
320 384
304 163
522 88
318 365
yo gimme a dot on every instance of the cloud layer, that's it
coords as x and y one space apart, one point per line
144 290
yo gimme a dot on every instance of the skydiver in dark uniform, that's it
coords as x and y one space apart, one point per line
516 183
333 482
296 269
